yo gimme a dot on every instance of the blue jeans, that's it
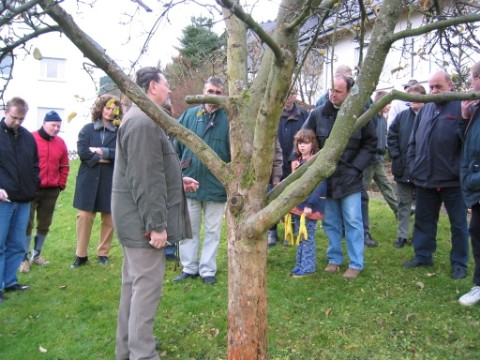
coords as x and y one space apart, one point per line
427 211
306 257
13 225
350 209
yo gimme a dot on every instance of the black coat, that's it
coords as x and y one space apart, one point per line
347 178
398 136
19 170
93 189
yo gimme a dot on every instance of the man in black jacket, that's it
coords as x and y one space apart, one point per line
19 179
345 185
434 163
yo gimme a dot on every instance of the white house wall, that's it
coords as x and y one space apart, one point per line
397 69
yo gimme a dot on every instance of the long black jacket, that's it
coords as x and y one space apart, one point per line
348 175
93 188
398 136
19 170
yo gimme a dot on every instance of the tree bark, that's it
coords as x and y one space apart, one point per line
247 289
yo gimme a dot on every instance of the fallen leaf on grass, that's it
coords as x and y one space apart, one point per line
421 285
431 274
214 332
62 287
328 312
42 349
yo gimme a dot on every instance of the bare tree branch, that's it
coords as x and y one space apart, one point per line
15 11
254 26
442 24
395 94
22 41
140 3
307 11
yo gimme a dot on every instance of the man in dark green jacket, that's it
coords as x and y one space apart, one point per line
210 123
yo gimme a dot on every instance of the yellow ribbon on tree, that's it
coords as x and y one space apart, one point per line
302 230
288 229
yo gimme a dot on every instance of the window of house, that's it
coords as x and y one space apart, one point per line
6 63
52 69
42 111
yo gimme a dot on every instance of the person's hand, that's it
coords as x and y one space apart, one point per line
96 150
468 107
307 211
158 239
4 196
189 184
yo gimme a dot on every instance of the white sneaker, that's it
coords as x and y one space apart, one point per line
25 266
40 261
470 298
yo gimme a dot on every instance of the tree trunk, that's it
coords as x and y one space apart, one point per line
247 293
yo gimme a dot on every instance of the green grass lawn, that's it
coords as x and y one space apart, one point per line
387 313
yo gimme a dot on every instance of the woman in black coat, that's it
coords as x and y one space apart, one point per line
93 190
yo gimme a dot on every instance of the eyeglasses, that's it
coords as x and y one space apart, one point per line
214 92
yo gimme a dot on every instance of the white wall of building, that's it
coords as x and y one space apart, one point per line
402 64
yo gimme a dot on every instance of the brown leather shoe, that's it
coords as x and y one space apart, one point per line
351 274
331 268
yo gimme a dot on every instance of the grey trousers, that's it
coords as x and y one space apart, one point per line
142 280
405 198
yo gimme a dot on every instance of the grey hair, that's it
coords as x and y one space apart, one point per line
146 75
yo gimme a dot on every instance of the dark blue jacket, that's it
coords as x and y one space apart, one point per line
435 145
470 162
19 170
398 136
348 176
290 122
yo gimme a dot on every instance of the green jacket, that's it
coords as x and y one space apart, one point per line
147 189
214 130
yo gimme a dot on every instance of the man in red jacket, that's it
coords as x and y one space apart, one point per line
54 167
